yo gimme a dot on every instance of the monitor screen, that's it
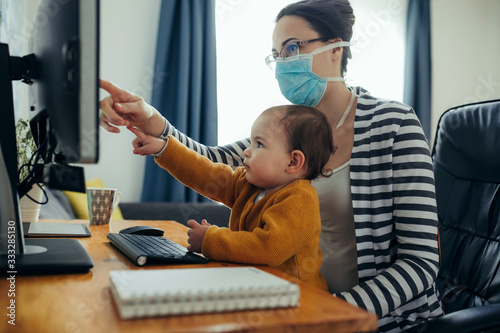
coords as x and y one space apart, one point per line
63 73
66 82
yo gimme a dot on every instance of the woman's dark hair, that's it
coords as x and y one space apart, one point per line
330 18
307 130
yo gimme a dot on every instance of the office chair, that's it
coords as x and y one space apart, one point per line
466 157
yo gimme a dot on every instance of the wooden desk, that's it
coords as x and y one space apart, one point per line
78 303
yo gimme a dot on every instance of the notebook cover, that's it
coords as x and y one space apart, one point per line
164 292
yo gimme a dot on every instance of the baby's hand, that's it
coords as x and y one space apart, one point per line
196 234
145 144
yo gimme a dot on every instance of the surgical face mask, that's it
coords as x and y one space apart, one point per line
297 81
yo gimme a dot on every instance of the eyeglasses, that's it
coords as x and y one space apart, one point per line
289 50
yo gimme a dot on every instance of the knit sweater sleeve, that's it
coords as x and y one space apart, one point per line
230 154
213 180
288 222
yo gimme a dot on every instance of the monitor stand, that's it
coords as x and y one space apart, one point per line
17 255
48 256
32 256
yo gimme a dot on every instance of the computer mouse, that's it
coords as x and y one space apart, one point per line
142 230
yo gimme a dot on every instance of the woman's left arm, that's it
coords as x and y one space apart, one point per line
414 226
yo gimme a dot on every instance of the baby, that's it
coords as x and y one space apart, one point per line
275 217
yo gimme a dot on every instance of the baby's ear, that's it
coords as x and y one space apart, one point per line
297 162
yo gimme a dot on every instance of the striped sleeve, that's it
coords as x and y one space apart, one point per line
392 184
231 154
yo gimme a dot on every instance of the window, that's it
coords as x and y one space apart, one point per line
246 86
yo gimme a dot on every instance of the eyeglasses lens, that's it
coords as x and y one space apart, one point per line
271 61
290 50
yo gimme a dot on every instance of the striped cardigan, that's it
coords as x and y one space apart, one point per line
392 186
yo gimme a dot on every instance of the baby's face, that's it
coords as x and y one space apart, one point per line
268 155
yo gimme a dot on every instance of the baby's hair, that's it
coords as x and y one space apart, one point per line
308 130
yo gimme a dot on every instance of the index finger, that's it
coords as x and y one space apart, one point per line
113 89
138 133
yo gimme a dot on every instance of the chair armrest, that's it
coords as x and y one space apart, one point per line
483 318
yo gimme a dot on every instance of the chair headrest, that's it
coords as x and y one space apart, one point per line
467 142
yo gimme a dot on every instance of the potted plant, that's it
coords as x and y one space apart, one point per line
30 203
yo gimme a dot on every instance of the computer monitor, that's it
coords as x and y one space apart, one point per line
63 74
66 82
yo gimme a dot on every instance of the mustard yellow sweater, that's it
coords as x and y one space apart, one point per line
280 230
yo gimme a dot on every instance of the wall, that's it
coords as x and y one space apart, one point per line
128 43
465 53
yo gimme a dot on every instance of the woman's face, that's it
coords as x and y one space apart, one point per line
295 28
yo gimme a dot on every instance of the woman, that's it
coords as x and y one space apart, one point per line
378 210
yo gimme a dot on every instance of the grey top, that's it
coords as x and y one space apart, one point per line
338 239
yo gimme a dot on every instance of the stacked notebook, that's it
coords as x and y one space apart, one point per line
164 292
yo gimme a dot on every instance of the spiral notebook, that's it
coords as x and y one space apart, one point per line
166 292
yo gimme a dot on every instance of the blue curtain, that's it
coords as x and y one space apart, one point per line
184 86
417 90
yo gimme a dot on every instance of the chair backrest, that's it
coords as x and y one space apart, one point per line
466 157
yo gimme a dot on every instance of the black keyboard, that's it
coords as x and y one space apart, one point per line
153 250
